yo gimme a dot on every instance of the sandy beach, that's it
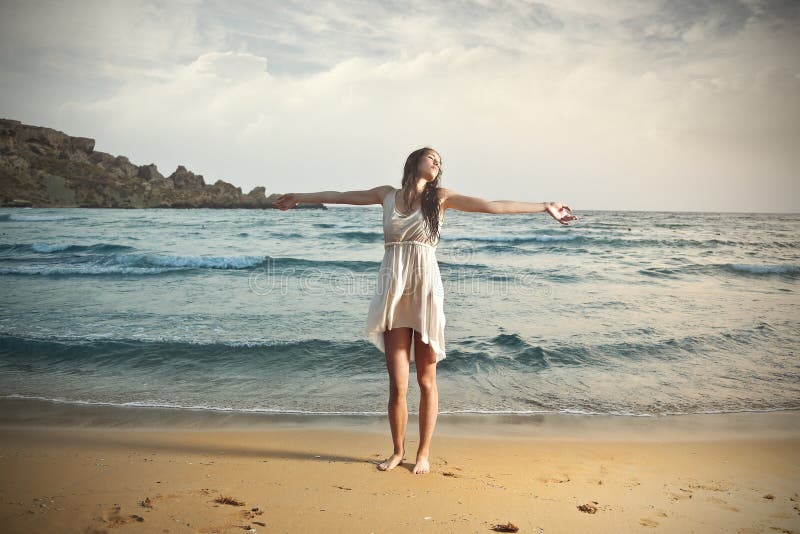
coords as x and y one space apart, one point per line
101 469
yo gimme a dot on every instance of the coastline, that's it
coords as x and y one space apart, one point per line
93 468
777 424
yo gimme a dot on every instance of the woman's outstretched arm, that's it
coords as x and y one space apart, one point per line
451 199
367 196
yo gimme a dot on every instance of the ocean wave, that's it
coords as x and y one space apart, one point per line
571 240
86 270
286 235
212 408
284 411
736 269
34 218
501 366
764 269
511 239
132 265
187 407
22 353
335 225
360 237
351 265
46 248
188 262
672 225
500 248
110 259
504 351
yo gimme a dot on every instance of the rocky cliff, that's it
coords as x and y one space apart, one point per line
42 167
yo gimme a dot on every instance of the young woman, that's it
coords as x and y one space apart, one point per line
406 315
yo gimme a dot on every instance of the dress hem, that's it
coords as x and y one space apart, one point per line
376 338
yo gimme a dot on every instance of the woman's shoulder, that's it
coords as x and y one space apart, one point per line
383 191
444 193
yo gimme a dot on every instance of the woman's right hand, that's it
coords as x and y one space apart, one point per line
560 212
286 201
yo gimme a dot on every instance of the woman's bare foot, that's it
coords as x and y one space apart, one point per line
391 462
422 466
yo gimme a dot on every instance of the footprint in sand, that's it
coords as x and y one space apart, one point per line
722 503
557 479
680 495
648 522
112 518
712 486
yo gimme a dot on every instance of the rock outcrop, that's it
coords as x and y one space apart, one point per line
44 168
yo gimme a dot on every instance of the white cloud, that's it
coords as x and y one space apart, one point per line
601 104
116 38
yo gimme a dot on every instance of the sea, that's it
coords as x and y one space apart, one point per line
627 313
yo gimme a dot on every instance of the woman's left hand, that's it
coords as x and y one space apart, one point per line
560 212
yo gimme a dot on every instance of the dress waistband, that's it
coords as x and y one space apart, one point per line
410 242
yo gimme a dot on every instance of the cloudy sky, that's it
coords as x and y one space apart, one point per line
612 105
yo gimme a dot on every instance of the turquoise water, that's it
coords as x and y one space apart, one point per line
630 313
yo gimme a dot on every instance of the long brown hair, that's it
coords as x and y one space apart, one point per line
429 201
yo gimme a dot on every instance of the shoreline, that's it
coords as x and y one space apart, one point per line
94 469
778 424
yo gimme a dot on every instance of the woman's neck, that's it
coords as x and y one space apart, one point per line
410 202
414 191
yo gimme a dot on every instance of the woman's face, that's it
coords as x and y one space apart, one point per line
429 166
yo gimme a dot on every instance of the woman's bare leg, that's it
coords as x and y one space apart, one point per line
428 400
398 353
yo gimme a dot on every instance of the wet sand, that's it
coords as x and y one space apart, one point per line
67 468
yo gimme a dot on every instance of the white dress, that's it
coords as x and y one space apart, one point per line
409 291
